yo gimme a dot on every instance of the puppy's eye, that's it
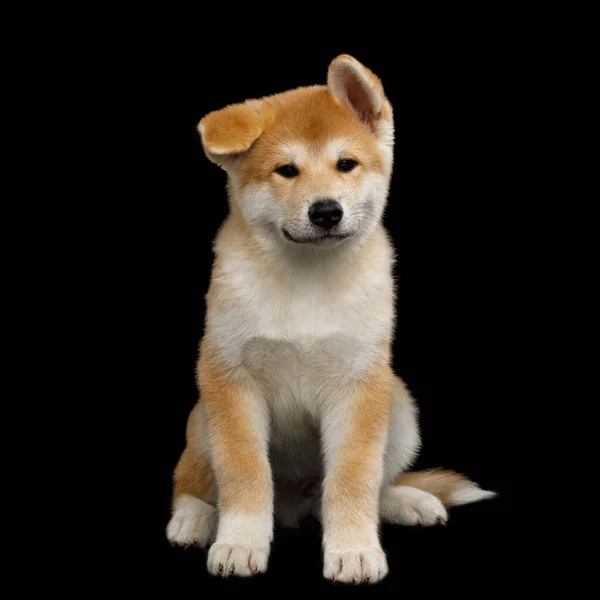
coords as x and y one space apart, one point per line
346 164
288 171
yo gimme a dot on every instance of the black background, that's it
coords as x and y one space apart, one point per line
456 95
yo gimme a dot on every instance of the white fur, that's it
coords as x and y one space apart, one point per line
194 522
362 565
243 543
470 493
320 307
404 438
245 530
404 505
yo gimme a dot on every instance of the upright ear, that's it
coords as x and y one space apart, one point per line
230 131
355 86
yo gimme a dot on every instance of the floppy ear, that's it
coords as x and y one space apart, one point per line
355 86
228 132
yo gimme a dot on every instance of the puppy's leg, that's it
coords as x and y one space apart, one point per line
237 419
354 436
194 516
420 497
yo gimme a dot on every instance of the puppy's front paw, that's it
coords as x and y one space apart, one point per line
356 566
233 560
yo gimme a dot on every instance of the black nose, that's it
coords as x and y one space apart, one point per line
325 213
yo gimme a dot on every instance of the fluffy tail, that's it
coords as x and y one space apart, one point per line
451 488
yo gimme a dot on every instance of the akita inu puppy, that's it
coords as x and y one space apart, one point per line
299 410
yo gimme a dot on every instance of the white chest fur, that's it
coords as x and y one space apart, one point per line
327 297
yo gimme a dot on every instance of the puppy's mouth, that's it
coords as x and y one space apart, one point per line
316 239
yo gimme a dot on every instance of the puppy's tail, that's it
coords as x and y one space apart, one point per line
450 487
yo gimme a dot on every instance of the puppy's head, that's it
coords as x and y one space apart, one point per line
310 166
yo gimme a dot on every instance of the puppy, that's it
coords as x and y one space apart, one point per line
299 410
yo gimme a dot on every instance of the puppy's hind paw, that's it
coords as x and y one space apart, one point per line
193 524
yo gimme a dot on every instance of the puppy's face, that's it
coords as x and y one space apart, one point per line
310 166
